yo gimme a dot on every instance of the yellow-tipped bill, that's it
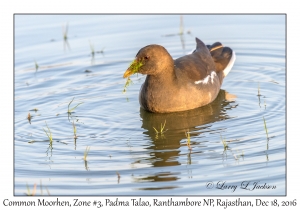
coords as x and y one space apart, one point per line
133 68
127 73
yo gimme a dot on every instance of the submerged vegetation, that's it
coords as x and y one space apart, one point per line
48 133
70 110
65 36
101 51
187 134
65 32
258 94
36 66
33 190
224 143
266 129
74 130
119 176
238 156
92 48
29 117
258 90
93 52
86 152
33 193
161 131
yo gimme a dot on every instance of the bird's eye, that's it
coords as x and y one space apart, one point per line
146 57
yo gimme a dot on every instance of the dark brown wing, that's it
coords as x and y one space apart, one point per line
197 65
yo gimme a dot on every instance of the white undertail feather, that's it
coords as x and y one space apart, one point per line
230 64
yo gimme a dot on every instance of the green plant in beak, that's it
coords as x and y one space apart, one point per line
133 69
128 82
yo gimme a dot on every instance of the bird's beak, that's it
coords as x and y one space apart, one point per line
130 71
127 73
133 68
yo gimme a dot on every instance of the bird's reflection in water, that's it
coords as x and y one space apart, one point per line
164 149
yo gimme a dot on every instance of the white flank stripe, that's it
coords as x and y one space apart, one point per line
208 78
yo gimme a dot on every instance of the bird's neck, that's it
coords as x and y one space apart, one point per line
167 77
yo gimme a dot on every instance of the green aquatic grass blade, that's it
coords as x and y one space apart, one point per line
28 189
187 134
47 190
33 190
224 142
74 128
258 90
48 129
161 132
36 66
92 48
48 133
162 127
65 31
188 137
71 109
76 106
70 104
102 50
156 130
86 152
266 129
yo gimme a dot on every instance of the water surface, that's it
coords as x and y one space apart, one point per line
126 156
